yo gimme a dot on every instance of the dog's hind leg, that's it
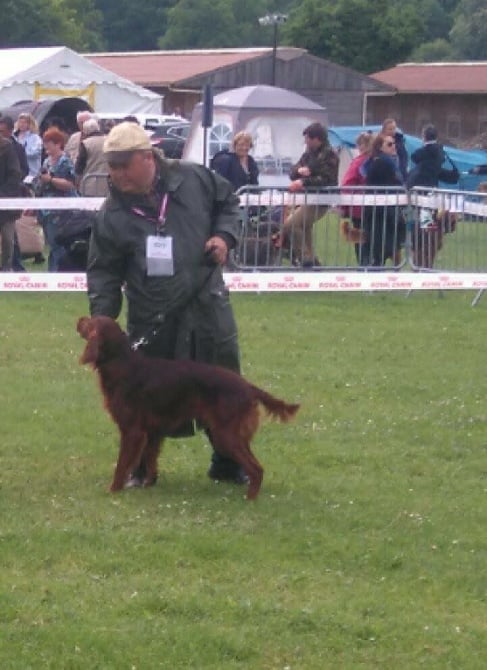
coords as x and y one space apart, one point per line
254 470
230 445
132 445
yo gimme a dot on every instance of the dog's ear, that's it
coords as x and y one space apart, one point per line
84 326
87 329
91 352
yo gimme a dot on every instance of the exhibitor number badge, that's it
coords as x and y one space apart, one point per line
159 257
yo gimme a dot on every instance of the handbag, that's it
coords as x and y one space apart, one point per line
448 176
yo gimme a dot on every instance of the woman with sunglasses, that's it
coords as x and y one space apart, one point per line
389 127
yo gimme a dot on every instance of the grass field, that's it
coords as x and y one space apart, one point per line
366 548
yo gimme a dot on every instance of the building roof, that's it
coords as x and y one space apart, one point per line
449 78
166 68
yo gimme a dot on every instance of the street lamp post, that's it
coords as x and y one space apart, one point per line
273 20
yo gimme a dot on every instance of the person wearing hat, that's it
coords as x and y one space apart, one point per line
161 239
317 168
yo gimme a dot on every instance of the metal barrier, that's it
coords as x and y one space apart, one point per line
422 239
370 230
449 231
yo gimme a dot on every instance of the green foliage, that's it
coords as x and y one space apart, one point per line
199 23
366 548
74 23
29 23
131 26
469 33
440 50
367 36
383 35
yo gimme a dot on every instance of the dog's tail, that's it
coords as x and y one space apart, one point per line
274 406
351 234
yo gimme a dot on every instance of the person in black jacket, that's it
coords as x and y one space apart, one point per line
238 166
10 187
427 160
7 131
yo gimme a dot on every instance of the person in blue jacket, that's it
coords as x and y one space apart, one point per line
237 166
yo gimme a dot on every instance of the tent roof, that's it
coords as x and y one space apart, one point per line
58 65
265 97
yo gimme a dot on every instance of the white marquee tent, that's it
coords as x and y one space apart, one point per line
54 72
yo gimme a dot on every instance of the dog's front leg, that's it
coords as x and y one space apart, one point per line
150 455
132 444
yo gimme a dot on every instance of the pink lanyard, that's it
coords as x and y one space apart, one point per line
162 212
161 221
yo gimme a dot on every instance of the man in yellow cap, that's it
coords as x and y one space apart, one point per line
161 238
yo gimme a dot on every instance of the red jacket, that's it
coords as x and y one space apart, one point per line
354 177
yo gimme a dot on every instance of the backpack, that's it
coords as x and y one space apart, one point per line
219 160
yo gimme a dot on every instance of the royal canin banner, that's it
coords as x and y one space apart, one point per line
285 282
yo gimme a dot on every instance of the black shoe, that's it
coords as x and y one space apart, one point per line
235 476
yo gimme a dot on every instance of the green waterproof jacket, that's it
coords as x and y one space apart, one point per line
193 302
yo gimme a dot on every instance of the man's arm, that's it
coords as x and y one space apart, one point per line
324 170
105 272
11 186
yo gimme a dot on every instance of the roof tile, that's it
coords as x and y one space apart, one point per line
163 68
436 77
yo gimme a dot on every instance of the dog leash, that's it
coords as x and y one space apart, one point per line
148 337
152 333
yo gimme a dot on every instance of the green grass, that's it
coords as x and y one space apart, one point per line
463 251
365 549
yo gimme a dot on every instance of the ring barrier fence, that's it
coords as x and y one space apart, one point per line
338 239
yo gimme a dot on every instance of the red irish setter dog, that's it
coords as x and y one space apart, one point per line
149 398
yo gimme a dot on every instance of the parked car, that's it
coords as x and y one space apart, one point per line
170 137
146 120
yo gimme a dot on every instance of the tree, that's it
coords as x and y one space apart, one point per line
133 26
363 35
75 23
367 36
200 24
437 51
29 23
469 33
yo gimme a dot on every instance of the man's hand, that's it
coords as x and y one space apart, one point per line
216 249
304 171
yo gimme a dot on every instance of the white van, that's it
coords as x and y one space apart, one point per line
145 120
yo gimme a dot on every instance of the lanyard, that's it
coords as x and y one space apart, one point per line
162 213
161 220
